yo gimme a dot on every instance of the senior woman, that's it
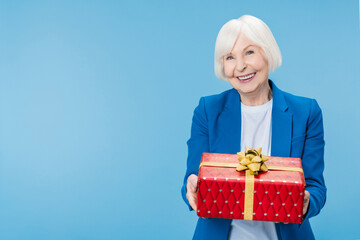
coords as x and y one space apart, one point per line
255 113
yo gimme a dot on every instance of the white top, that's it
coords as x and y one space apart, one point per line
255 133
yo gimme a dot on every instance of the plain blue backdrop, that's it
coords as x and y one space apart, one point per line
96 101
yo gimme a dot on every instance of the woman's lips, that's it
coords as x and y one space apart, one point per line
246 78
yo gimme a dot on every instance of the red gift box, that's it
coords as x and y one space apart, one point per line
275 195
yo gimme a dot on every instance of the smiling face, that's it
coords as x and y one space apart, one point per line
246 68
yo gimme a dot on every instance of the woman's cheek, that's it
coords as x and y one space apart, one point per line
227 70
255 63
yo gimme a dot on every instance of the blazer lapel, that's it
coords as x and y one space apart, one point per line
281 123
229 125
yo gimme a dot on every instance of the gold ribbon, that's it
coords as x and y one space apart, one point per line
249 195
252 161
234 165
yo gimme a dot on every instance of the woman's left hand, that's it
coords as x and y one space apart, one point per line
306 202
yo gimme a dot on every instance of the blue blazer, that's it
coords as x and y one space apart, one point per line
297 131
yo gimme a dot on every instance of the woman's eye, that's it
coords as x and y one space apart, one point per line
249 52
229 58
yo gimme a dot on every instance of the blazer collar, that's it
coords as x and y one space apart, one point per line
278 97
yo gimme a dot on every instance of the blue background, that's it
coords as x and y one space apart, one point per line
96 101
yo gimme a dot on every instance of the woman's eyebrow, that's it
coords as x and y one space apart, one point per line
250 45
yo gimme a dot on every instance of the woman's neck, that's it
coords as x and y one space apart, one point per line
258 97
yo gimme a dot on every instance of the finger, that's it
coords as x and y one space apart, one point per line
306 202
191 196
192 183
192 202
190 188
305 207
193 180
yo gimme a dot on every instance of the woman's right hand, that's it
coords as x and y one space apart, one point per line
191 194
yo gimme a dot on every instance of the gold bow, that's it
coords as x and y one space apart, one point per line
251 159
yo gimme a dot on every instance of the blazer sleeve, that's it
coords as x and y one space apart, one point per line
313 161
197 144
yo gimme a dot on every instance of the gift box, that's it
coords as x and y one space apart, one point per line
274 195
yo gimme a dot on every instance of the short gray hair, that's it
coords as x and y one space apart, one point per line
254 29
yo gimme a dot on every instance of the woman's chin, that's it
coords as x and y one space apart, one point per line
244 90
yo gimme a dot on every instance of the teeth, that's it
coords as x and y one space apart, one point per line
246 77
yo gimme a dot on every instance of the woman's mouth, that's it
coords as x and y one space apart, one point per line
246 78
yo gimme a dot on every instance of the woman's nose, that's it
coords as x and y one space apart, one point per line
240 65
